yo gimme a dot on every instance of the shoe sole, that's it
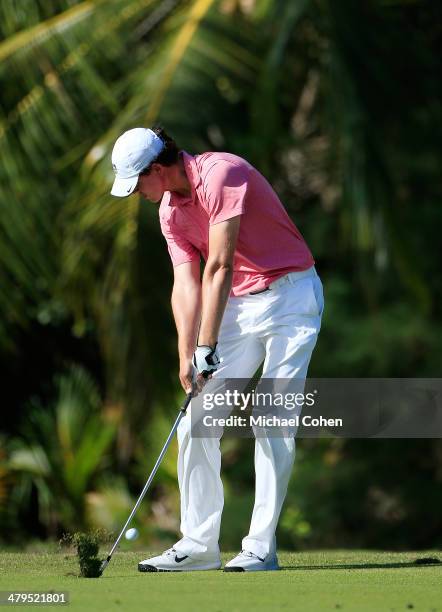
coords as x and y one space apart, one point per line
259 569
152 568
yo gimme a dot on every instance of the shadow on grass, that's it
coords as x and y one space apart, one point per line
347 566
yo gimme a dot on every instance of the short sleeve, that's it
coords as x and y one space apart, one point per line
180 249
225 189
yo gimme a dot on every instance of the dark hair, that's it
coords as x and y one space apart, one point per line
169 154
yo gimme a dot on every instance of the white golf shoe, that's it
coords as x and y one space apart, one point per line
173 561
249 562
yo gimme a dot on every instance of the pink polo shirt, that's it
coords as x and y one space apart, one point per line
223 186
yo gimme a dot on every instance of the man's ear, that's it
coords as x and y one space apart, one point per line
156 169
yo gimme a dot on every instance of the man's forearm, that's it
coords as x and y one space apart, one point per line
216 285
186 306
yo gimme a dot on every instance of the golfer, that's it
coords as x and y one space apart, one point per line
259 301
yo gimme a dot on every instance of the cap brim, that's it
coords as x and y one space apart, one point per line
123 187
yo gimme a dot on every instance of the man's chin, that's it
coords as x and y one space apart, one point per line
154 199
150 199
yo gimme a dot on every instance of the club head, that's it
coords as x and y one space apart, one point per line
103 566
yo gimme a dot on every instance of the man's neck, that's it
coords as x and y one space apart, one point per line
179 183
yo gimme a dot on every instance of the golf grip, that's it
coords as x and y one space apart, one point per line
181 413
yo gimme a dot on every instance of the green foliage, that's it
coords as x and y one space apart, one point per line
61 452
370 492
87 545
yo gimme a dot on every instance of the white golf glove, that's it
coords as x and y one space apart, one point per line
206 360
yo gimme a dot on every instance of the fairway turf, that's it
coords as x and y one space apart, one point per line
308 581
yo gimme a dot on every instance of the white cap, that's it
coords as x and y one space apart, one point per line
133 152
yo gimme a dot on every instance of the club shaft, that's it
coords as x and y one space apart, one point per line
181 413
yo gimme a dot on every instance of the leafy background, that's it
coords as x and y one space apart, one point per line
339 105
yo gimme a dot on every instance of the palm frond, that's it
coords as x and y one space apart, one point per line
61 449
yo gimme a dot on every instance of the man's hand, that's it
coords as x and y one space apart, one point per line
190 380
186 375
206 360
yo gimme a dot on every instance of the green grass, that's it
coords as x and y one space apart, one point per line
310 581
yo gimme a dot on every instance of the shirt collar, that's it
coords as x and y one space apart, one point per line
194 179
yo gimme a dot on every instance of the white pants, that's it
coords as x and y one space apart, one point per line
279 327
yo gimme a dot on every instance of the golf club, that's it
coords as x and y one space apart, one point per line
181 413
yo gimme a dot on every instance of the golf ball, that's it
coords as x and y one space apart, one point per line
131 534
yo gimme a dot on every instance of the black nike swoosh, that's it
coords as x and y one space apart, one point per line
178 560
